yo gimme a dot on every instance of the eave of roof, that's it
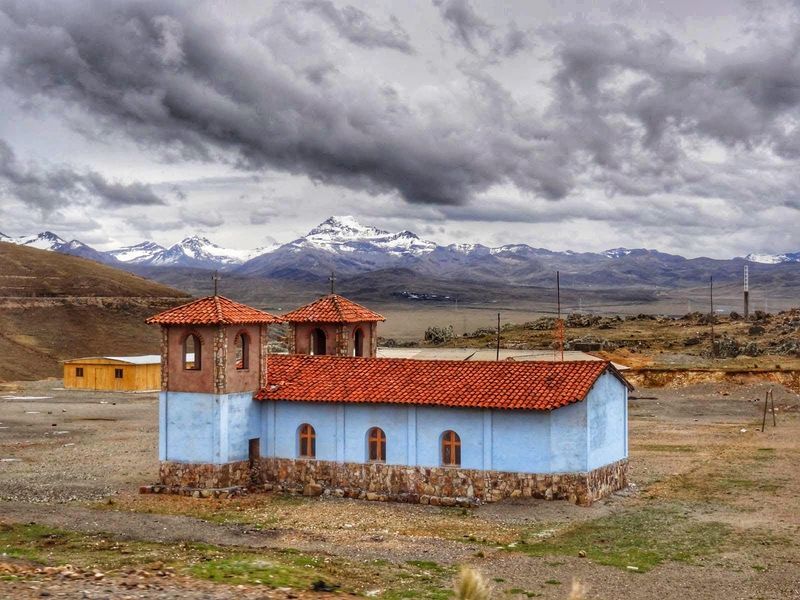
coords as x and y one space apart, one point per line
332 308
213 310
501 385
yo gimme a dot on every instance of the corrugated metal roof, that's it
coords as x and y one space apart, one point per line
148 359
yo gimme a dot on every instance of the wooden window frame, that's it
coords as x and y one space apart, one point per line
451 446
119 373
78 371
312 345
245 337
306 436
198 352
376 445
356 332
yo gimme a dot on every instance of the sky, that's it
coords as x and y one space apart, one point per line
577 125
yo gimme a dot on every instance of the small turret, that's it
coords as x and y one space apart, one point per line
333 325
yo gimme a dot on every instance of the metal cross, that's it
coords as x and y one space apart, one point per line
332 279
216 279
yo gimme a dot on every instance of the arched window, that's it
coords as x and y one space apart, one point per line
376 445
358 342
242 345
308 441
451 449
318 342
192 353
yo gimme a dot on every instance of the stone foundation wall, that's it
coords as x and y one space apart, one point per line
436 485
398 483
204 476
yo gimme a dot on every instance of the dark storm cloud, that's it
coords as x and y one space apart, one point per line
170 77
473 32
636 104
630 114
53 188
466 26
358 27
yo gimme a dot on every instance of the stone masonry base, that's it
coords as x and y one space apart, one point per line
424 485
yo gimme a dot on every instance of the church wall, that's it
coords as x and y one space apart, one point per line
207 428
521 441
432 422
511 441
238 380
184 380
607 408
568 438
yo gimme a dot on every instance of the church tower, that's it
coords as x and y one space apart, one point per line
213 359
333 325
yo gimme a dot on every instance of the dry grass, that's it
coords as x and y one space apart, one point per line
470 585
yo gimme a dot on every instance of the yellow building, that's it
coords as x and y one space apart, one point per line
113 373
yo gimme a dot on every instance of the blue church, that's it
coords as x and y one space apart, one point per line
330 418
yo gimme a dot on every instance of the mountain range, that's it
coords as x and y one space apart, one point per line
344 245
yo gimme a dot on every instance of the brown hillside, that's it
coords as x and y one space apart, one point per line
31 272
54 307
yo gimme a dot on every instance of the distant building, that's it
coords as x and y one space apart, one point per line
438 432
113 373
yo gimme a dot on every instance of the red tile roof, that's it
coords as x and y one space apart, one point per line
332 309
213 310
479 384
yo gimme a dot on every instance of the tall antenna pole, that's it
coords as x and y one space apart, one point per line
711 291
498 337
746 291
559 322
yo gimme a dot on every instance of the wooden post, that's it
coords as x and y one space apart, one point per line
498 337
711 290
772 403
769 401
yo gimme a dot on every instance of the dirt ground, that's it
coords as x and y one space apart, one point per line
714 512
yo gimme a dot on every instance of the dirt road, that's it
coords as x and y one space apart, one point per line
715 512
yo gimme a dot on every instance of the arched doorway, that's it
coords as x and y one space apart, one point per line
358 342
318 342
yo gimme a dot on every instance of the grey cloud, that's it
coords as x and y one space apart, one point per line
47 189
358 27
202 90
205 218
467 27
629 114
476 34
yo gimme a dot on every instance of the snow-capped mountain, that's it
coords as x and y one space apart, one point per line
340 244
774 259
344 245
139 253
47 240
616 252
197 251
346 234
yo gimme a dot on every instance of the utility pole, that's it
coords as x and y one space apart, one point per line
498 337
746 291
711 291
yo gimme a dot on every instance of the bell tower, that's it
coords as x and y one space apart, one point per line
213 359
333 325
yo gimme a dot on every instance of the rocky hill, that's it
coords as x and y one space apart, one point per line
54 307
